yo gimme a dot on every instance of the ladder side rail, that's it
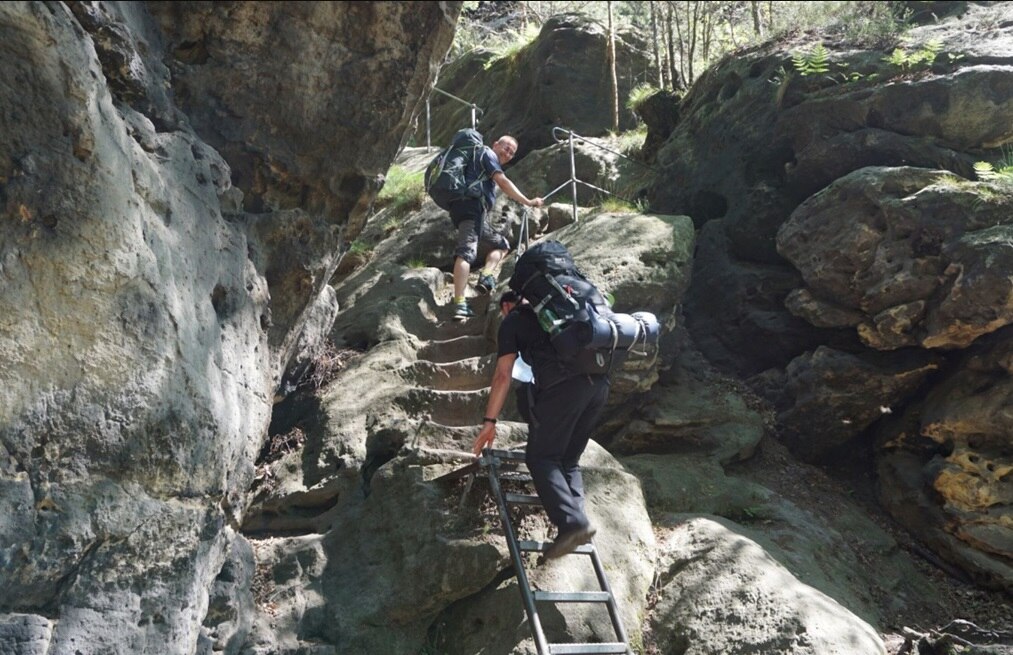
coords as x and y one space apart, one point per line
515 554
603 583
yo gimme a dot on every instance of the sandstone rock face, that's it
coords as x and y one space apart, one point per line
328 134
830 397
735 309
848 557
711 576
842 216
955 446
559 79
401 564
751 145
327 92
143 323
916 257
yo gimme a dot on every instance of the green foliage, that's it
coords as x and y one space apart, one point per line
639 94
844 75
360 248
1000 171
630 142
417 263
869 24
811 62
950 181
723 26
921 58
615 204
391 224
402 191
508 45
989 173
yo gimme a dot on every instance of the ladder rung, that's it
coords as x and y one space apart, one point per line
588 649
542 546
522 499
572 596
515 477
513 455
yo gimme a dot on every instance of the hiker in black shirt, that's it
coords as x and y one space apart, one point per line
566 408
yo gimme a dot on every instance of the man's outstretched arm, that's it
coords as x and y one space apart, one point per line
497 397
509 188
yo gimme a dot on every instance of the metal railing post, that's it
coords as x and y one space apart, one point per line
475 109
557 133
573 178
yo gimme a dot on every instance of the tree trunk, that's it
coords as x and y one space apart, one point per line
657 50
612 70
673 71
731 31
706 30
754 6
693 20
770 16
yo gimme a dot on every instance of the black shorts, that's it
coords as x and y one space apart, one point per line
473 230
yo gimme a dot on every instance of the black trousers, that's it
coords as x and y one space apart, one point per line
562 420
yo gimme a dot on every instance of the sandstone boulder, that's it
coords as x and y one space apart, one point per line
828 397
711 576
944 469
146 315
754 140
919 255
558 79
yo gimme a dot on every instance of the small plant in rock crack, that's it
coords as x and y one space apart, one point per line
360 248
279 445
921 58
999 171
639 95
328 362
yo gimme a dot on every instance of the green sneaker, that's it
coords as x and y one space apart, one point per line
462 312
486 283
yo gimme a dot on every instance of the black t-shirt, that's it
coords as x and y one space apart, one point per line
520 333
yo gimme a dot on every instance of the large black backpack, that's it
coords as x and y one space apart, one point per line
586 334
457 171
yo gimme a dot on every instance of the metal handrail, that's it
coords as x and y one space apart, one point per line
475 112
588 140
569 138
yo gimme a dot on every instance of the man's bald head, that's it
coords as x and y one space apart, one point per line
505 148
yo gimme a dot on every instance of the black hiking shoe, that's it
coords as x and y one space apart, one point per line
486 283
462 312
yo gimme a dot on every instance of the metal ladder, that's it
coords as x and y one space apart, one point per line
495 461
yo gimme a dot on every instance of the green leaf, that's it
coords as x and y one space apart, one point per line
985 170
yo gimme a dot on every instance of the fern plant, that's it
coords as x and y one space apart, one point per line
1000 171
923 57
989 173
813 62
